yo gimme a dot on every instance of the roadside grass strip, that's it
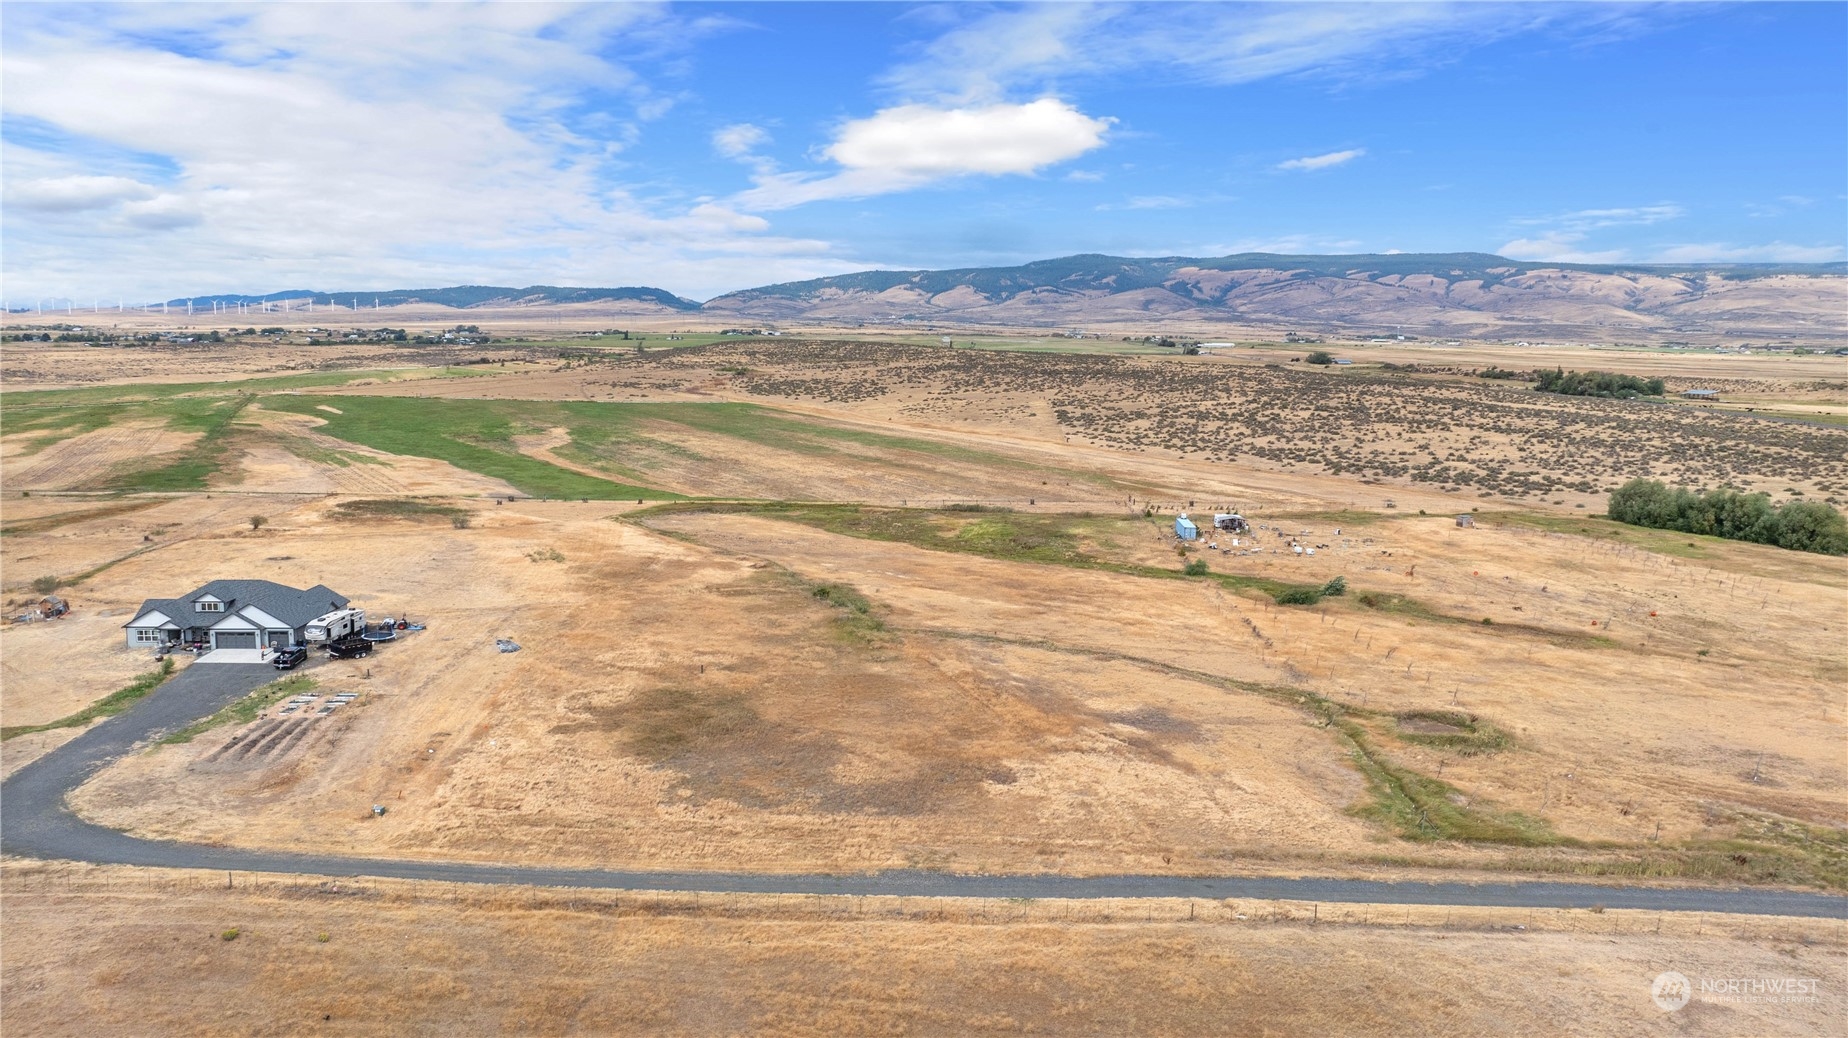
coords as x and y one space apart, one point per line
108 706
244 710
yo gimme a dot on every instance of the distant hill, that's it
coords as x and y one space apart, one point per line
462 297
1441 292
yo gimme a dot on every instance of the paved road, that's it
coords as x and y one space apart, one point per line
34 822
33 818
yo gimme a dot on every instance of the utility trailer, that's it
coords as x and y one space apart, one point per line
334 626
351 647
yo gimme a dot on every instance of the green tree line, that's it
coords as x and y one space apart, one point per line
1797 525
1598 383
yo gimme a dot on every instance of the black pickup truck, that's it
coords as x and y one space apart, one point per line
289 657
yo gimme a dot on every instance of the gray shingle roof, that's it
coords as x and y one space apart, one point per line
290 605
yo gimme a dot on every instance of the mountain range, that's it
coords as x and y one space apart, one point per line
1445 293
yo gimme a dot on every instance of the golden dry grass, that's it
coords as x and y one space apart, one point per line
685 700
133 951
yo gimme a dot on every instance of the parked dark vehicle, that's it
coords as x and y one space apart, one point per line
289 657
349 648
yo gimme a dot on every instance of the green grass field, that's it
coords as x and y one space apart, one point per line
629 441
476 435
207 408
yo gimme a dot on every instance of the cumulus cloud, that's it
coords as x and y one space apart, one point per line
1333 158
389 145
908 146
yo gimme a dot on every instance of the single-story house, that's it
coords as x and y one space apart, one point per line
1701 394
232 614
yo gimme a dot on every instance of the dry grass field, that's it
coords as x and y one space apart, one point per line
138 951
811 606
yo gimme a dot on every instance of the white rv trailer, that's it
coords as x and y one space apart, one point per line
334 626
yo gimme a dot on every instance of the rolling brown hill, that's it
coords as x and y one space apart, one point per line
1431 294
1463 294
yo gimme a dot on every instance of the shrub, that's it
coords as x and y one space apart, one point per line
1335 588
45 585
1298 596
1319 357
1196 568
231 934
257 521
1797 525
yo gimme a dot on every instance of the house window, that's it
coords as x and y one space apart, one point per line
146 634
210 607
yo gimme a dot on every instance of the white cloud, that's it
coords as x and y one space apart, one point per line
1561 247
75 193
739 140
1626 216
989 55
162 213
908 146
1148 202
1785 203
1084 176
1333 158
924 142
1774 252
727 219
384 146
1562 237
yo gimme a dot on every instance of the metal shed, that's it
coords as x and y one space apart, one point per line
1185 529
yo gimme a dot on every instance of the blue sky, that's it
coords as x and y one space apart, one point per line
161 150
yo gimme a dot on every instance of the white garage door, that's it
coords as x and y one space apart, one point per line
234 639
